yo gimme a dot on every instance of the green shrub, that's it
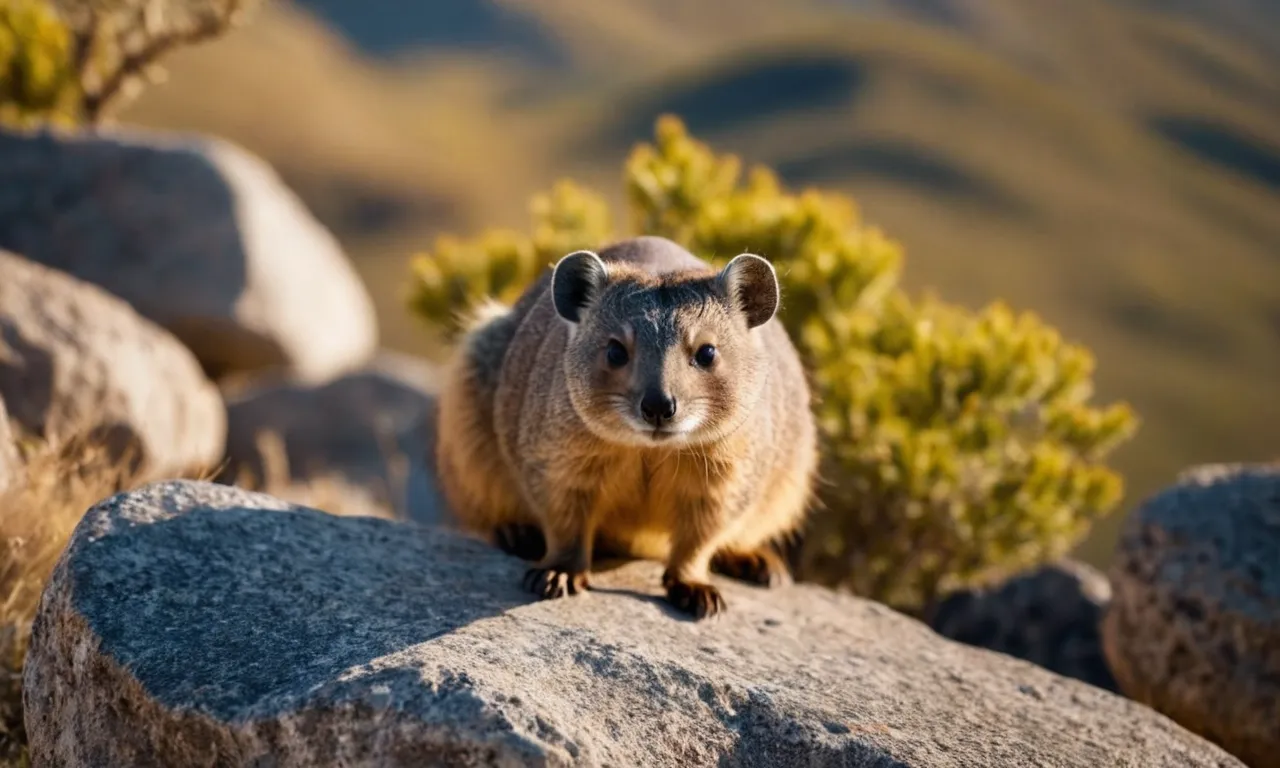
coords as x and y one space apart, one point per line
460 273
957 445
37 76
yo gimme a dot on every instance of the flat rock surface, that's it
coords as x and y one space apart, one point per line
197 624
75 361
198 235
1193 629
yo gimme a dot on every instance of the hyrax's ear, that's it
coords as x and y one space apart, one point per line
577 281
751 286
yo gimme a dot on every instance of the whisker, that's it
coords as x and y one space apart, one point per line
719 468
665 457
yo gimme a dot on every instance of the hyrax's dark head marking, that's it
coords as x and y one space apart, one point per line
659 357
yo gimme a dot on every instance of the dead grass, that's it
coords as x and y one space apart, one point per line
325 492
39 514
36 518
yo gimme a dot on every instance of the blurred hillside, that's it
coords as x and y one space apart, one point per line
1112 164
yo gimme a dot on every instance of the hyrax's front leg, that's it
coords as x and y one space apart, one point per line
569 526
699 527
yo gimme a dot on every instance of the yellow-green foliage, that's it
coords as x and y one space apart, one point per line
957 445
37 76
460 273
74 61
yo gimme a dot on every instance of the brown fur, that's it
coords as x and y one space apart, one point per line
539 434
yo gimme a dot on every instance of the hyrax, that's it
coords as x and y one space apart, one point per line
635 403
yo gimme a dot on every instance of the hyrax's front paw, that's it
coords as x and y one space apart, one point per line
692 597
553 582
762 566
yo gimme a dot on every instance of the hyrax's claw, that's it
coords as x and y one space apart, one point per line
548 583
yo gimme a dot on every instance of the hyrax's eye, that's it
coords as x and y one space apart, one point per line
705 356
615 354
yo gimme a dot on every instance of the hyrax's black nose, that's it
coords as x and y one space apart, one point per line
657 407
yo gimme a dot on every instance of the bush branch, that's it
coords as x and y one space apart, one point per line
96 101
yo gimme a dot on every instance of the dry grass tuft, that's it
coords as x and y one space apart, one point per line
329 493
36 518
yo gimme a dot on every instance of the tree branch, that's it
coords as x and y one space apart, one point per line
83 50
96 103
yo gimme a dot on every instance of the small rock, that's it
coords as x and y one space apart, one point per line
372 431
1050 616
1193 629
197 235
162 639
75 360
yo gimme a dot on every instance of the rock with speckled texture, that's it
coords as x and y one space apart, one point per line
200 236
76 361
198 625
1193 629
1050 615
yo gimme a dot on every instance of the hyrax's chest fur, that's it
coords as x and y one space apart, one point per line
637 401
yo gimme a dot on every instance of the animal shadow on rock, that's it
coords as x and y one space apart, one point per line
525 543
